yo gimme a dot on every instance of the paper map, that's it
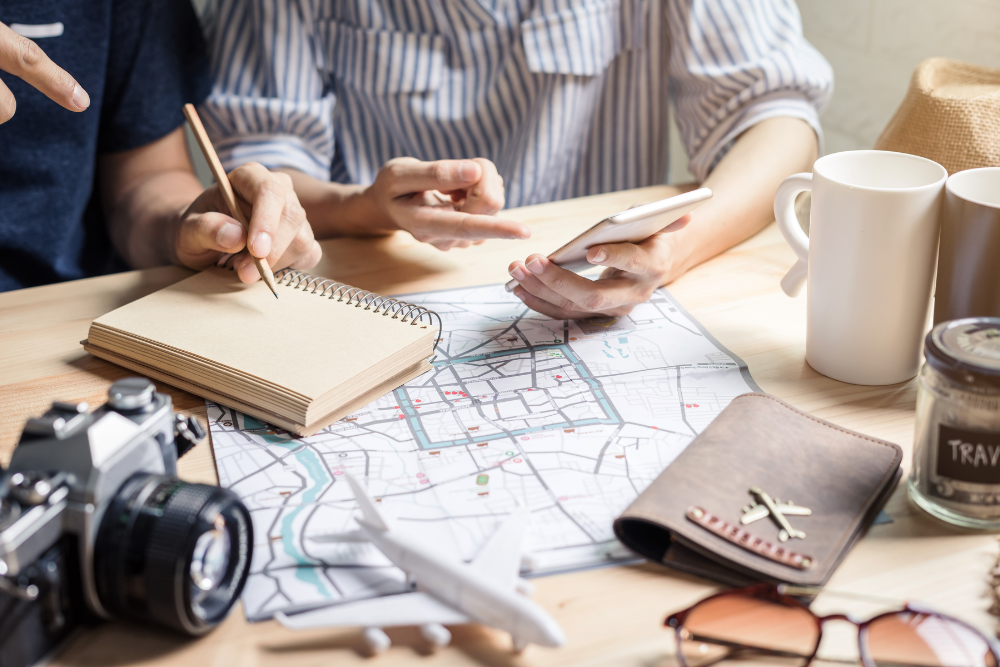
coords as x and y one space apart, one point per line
573 419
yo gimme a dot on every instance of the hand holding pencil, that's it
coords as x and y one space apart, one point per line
272 230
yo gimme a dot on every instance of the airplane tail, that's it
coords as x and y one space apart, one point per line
373 517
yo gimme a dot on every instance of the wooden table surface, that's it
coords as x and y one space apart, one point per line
612 615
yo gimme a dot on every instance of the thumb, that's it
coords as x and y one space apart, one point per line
202 235
626 257
408 176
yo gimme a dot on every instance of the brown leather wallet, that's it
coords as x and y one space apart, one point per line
700 515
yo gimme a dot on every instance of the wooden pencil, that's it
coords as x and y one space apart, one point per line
222 180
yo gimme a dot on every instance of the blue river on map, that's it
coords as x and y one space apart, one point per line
314 468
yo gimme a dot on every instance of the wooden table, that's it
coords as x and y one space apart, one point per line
612 616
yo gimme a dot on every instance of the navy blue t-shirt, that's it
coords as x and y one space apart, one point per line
140 61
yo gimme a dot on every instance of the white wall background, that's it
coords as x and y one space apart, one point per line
874 46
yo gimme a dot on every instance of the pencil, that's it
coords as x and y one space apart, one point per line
227 190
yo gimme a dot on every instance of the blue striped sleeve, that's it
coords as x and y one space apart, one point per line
735 63
269 103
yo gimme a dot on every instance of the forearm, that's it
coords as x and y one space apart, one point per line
744 183
143 220
335 209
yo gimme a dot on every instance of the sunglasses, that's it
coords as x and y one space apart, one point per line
763 625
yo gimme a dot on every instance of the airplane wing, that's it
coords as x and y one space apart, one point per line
794 510
755 514
761 511
416 608
500 557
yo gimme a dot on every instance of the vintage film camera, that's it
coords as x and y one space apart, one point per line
94 524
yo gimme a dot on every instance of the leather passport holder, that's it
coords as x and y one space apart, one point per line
689 518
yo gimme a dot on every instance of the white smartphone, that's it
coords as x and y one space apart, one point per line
632 226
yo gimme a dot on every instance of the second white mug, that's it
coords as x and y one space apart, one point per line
868 261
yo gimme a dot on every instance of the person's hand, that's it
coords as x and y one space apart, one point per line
447 203
279 230
23 58
634 272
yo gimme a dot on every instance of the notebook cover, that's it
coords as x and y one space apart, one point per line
302 342
362 400
844 477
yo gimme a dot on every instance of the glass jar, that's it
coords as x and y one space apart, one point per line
956 448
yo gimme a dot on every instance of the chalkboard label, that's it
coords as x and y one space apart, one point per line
969 456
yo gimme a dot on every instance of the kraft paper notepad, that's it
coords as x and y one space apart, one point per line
302 361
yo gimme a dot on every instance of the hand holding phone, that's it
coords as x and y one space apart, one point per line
632 226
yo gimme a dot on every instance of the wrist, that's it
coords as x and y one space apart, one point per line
678 256
170 234
350 210
366 213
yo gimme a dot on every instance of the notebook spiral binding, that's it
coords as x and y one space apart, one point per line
326 287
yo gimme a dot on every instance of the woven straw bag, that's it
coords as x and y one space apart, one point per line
951 115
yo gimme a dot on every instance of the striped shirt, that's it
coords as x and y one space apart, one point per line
567 97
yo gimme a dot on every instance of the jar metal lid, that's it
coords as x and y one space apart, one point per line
966 350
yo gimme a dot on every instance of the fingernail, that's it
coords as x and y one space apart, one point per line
535 266
516 273
467 171
81 100
262 245
601 255
229 235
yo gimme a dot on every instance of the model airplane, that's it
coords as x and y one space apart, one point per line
777 510
448 591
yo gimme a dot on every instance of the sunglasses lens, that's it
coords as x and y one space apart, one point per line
925 640
743 630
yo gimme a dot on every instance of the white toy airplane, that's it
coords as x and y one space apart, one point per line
449 592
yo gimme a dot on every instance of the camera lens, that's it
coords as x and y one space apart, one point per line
174 553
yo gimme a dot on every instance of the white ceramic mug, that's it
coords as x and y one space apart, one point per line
869 258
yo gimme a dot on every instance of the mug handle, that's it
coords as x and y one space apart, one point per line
788 223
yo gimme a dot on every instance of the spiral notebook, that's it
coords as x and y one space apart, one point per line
314 355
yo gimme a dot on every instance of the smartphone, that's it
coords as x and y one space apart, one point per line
632 226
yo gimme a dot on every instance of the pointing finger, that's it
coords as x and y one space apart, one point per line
434 223
25 59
